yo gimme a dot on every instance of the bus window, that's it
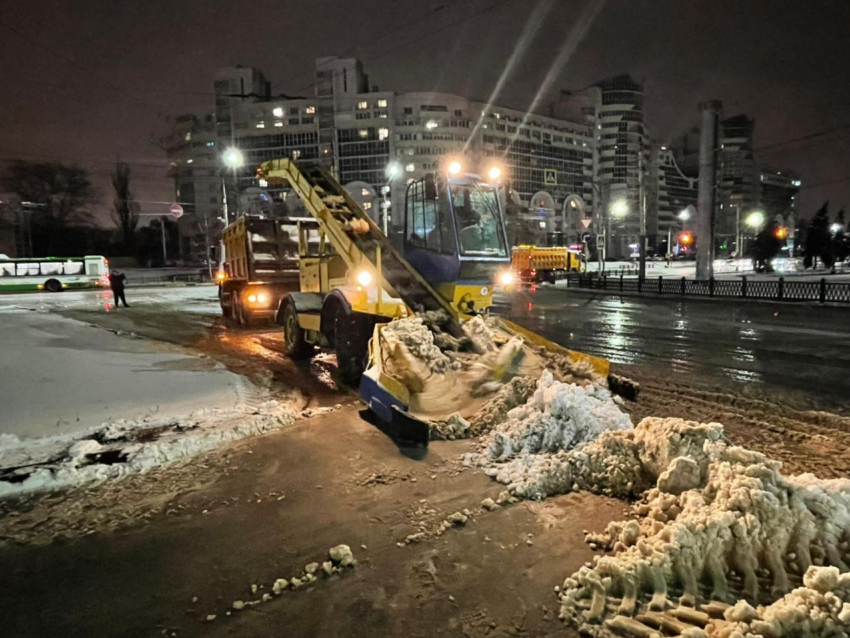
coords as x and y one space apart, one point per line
26 269
7 270
51 268
78 268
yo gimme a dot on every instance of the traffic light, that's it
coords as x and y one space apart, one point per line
781 232
686 239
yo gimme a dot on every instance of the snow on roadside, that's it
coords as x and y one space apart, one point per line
527 451
714 510
118 448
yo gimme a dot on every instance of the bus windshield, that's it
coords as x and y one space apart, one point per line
479 224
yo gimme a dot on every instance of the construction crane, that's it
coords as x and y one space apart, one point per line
353 279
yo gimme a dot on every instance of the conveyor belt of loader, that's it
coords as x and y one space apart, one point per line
334 208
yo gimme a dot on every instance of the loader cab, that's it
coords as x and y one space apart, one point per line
454 235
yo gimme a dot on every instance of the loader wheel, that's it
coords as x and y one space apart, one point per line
297 347
351 344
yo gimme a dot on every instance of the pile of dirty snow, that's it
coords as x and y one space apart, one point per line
821 607
412 336
126 446
558 416
530 450
481 335
717 514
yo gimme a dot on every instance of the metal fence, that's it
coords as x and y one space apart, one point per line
772 290
137 279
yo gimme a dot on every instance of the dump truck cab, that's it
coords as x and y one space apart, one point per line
454 235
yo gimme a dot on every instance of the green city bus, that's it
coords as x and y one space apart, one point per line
53 274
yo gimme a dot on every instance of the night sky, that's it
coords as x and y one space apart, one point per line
86 81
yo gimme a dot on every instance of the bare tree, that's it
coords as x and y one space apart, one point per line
125 210
58 196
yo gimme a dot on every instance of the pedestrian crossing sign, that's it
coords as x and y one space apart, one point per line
550 176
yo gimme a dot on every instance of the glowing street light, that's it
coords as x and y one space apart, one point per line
684 214
393 170
619 208
494 173
455 168
233 158
835 228
755 219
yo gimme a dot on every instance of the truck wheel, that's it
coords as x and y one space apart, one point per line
297 347
351 344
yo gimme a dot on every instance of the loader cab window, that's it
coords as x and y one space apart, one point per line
479 223
428 223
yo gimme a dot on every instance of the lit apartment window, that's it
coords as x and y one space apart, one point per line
431 124
188 136
362 106
261 125
382 104
296 154
363 132
410 168
189 161
278 123
383 133
310 110
277 111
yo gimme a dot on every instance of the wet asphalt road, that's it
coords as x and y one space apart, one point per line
801 348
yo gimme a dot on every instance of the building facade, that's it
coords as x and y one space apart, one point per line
588 158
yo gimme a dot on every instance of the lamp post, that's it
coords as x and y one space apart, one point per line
755 220
234 160
618 209
393 170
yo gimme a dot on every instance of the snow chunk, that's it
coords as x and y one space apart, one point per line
411 336
342 554
480 334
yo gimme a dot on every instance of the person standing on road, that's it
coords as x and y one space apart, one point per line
116 282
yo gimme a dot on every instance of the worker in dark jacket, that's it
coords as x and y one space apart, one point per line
116 282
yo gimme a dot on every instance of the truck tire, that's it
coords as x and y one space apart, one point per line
294 342
351 344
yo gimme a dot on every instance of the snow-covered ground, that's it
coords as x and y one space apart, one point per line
82 403
61 376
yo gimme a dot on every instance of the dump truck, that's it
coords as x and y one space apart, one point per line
537 264
259 266
354 281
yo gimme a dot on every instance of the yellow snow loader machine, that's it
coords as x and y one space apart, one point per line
353 280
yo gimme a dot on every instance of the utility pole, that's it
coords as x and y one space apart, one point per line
707 202
642 213
164 243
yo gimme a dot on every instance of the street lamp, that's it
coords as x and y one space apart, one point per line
233 159
684 214
620 208
755 220
835 228
392 171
